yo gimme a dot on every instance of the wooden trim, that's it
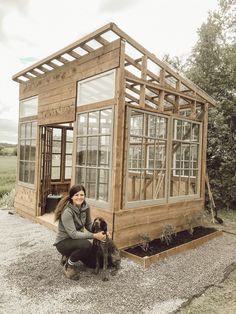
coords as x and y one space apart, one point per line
70 47
146 261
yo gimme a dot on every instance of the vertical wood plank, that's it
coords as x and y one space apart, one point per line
204 150
118 138
144 77
162 93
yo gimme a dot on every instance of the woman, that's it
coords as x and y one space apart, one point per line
74 231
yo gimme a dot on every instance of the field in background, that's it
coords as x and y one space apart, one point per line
7 174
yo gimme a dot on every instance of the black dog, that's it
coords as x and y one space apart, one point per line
106 251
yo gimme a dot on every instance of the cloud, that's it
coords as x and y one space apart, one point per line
6 7
117 5
8 131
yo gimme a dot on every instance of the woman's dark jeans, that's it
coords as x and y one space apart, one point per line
78 250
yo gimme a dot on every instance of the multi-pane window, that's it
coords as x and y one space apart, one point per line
93 157
27 152
146 156
185 158
97 88
62 144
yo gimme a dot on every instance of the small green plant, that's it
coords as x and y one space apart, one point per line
144 241
168 233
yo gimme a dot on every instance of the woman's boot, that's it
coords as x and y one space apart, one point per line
70 271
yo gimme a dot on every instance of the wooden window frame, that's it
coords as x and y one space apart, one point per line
96 202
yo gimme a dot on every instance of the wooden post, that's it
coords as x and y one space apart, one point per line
204 150
119 128
143 77
162 93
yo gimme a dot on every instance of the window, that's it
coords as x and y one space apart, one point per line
185 158
62 154
27 152
93 158
146 156
97 88
29 107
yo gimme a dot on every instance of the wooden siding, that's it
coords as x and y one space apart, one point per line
25 201
131 223
57 89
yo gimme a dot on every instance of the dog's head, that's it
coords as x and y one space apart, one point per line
99 224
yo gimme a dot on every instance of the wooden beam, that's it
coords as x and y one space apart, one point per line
70 47
133 78
162 64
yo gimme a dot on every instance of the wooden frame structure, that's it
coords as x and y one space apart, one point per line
145 89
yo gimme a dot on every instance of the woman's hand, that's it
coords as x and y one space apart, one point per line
101 236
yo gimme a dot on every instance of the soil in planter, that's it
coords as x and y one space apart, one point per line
157 246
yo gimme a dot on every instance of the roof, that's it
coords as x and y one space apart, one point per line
95 40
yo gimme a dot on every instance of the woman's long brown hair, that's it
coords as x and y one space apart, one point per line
68 198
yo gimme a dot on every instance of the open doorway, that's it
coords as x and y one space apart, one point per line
56 164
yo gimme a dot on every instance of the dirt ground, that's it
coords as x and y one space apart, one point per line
201 281
219 298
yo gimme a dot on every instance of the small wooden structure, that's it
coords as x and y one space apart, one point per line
107 113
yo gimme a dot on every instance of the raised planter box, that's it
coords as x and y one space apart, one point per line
146 261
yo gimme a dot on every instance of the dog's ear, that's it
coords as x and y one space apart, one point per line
103 225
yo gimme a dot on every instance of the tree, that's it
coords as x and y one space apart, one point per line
212 66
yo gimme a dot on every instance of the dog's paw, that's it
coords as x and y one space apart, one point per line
105 279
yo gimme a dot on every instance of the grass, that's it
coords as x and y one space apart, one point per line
7 174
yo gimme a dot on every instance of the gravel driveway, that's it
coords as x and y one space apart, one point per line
31 278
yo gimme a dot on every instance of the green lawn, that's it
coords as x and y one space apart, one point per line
7 174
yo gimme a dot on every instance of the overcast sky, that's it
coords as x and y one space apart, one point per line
32 29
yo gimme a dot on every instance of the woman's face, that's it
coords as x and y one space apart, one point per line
78 198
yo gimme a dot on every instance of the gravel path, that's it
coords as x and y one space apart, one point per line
31 279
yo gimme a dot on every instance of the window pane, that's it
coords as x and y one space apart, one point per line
91 183
68 171
32 172
136 123
32 150
56 160
68 160
151 126
56 134
22 130
80 176
27 149
22 150
28 130
98 88
69 135
29 107
69 147
34 130
56 147
186 133
159 184
82 124
105 121
92 151
103 182
81 151
21 171
93 123
195 133
134 182
26 172
55 173
104 151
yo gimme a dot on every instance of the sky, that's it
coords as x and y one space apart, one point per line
30 30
